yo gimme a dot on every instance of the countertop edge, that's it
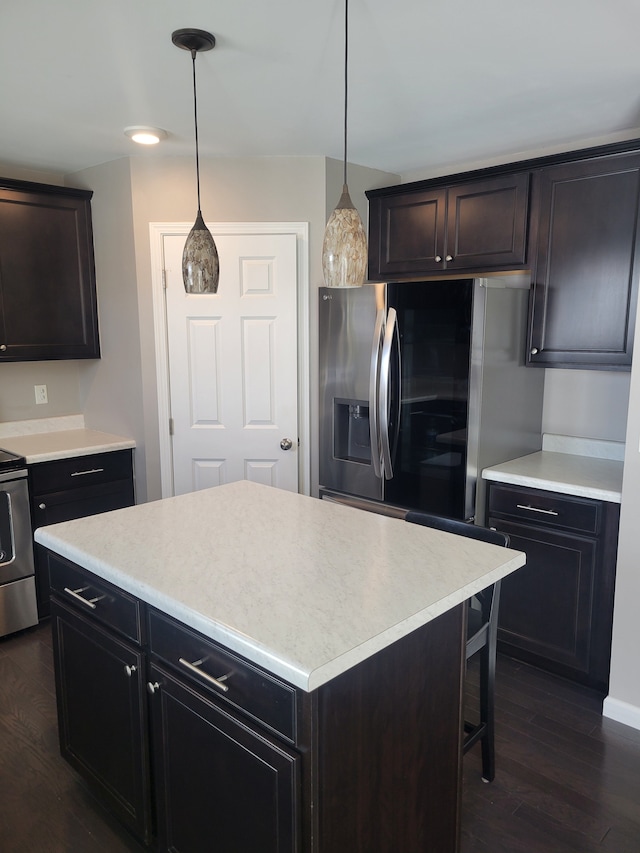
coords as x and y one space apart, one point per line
253 651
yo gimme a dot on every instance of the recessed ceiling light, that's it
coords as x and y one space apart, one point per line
145 135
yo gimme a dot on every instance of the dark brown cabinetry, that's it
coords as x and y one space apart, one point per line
478 226
557 611
48 307
100 691
585 285
73 488
212 763
237 759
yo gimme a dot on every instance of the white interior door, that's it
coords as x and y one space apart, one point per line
233 365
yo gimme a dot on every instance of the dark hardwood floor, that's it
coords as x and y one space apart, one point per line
567 780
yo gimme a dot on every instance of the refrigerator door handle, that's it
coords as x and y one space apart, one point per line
383 396
374 390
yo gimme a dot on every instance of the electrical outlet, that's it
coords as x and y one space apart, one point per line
41 394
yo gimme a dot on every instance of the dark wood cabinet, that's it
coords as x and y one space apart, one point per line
73 488
102 710
228 756
557 611
48 306
585 286
478 226
220 784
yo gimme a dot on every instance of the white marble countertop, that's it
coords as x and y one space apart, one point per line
303 587
58 438
580 467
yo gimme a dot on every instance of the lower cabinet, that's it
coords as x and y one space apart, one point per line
64 489
102 715
557 611
219 783
196 749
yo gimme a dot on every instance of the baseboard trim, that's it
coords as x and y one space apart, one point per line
622 712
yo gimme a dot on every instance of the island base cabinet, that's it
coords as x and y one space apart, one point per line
102 715
220 784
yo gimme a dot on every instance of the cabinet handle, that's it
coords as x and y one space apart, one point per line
42 506
437 259
129 670
537 509
88 602
449 258
217 682
534 351
3 347
153 687
90 471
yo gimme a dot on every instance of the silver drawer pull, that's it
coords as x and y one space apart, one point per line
217 682
537 509
88 602
89 471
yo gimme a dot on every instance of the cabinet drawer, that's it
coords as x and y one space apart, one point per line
95 597
80 471
536 506
249 689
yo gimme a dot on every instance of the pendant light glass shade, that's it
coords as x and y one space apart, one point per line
200 263
344 248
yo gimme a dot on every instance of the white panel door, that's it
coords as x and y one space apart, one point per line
233 365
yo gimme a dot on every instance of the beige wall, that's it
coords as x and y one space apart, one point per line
589 403
624 690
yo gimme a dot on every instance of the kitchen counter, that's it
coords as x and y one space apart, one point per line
580 467
303 587
58 438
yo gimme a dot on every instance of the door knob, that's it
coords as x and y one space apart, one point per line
286 444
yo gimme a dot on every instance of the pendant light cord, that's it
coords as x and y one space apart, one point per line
195 118
346 58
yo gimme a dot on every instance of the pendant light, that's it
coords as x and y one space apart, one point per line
344 249
200 265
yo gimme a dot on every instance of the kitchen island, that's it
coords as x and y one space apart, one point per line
293 668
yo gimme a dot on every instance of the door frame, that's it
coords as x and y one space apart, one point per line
157 233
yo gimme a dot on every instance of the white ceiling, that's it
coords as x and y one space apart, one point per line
432 83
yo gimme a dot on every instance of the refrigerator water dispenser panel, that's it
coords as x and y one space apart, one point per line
352 441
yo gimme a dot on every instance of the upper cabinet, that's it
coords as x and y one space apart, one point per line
48 307
585 283
480 226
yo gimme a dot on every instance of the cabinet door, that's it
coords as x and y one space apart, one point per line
48 306
220 784
407 234
546 606
585 288
102 715
487 224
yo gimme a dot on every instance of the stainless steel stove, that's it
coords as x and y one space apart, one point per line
18 608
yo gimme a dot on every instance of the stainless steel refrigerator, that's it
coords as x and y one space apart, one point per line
422 385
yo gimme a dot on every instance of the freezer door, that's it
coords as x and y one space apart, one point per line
349 455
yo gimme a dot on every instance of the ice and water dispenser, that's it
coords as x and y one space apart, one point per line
351 430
